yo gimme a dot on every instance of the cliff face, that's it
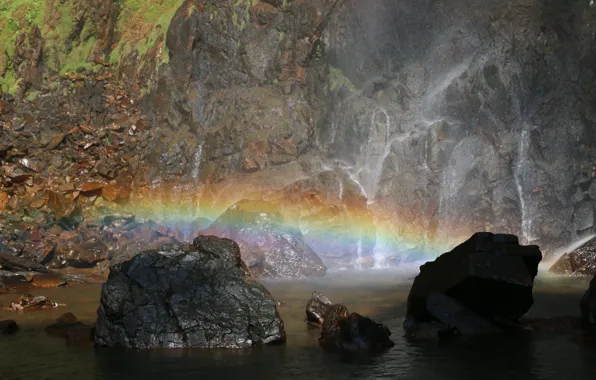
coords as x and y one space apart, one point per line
444 118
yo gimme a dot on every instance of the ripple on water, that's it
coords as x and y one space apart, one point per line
379 294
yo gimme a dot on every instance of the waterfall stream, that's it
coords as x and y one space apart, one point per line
522 178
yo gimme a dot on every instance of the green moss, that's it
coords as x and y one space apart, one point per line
9 83
142 25
338 79
15 16
32 95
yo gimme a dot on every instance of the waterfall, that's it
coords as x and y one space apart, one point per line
375 151
359 252
196 166
522 180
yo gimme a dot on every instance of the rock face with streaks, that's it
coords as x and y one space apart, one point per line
269 247
187 296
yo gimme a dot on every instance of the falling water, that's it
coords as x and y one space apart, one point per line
359 253
196 168
373 152
522 180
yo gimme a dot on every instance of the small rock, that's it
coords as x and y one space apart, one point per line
8 327
316 308
28 302
46 280
342 331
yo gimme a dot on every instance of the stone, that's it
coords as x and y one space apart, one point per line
342 331
588 307
8 327
270 247
14 263
488 277
187 296
454 314
579 262
83 255
316 308
68 327
47 280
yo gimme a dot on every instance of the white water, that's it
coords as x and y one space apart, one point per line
522 178
359 253
569 248
196 168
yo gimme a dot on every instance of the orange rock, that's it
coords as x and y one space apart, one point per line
46 280
92 186
115 192
3 200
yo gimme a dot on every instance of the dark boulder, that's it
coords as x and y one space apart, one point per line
269 247
579 262
187 296
588 307
8 327
487 279
316 308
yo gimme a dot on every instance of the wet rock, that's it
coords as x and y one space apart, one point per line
432 330
270 247
8 327
83 255
452 313
579 262
28 302
47 280
68 327
187 296
484 281
14 263
342 331
588 307
316 308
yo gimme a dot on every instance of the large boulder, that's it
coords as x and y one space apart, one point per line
270 247
588 307
187 296
579 262
488 278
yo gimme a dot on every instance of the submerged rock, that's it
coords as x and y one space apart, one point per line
269 247
316 308
588 307
579 262
67 326
482 283
187 296
8 327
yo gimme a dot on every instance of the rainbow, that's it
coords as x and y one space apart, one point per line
339 223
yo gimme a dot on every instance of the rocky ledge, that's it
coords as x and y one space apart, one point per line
187 296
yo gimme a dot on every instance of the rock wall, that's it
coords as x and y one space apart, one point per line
433 119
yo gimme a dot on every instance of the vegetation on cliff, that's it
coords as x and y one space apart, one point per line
79 35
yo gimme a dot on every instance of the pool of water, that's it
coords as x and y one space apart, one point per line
31 354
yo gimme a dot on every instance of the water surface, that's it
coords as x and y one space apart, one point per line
31 354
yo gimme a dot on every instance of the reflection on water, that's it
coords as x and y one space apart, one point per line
379 294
